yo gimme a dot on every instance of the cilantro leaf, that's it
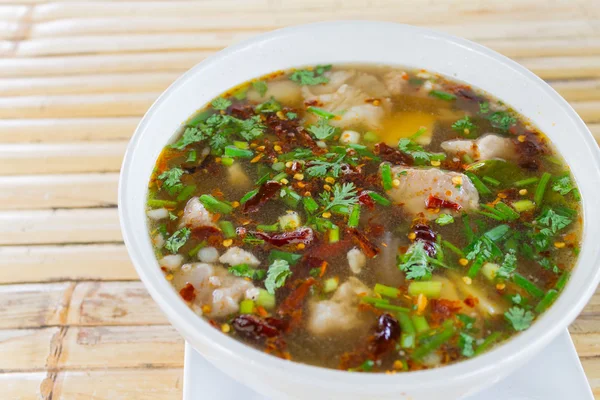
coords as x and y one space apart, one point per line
516 299
260 87
291 115
177 240
415 262
519 318
509 265
172 180
245 271
444 219
220 103
553 220
315 272
320 168
278 272
322 130
484 107
269 106
172 216
563 185
218 141
190 135
465 343
408 146
464 125
502 120
311 77
344 195
251 128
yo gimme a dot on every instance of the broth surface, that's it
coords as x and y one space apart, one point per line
365 218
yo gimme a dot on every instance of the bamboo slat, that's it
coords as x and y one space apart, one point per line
564 67
76 106
24 159
66 129
578 90
22 386
113 303
58 191
34 305
23 264
59 226
143 383
146 346
116 83
24 349
12 12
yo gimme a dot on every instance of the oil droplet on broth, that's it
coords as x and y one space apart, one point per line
404 124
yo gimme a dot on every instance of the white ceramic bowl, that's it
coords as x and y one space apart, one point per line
361 42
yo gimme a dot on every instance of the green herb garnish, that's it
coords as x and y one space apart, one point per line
177 240
311 77
444 219
278 272
220 103
519 318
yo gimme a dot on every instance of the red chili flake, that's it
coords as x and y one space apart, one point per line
391 154
253 327
471 301
204 232
188 292
365 244
375 230
436 202
442 309
301 235
327 250
294 301
265 192
365 199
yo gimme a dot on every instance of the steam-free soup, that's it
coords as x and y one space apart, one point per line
364 218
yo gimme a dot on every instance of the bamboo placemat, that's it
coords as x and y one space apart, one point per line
75 78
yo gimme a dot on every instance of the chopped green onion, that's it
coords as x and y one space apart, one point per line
526 182
526 284
468 230
475 267
265 299
379 199
197 248
354 216
330 285
442 95
264 178
186 192
340 210
227 229
233 151
494 211
227 161
390 307
291 198
546 301
562 281
453 248
374 300
479 185
435 341
523 205
467 159
541 188
203 116
241 145
191 156
487 342
268 228
248 196
506 210
278 166
334 234
279 177
408 336
427 288
491 181
387 290
214 205
370 137
490 215
155 203
246 306
310 205
386 176
420 323
291 258
321 113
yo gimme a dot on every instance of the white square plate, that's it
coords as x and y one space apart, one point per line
555 374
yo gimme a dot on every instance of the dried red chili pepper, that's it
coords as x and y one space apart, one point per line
390 154
265 192
366 200
386 334
364 243
427 236
293 302
301 235
435 202
442 309
253 327
188 292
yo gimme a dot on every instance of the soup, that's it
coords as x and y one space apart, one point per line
364 218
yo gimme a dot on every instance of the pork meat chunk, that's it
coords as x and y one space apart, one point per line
196 216
237 256
340 313
487 147
215 288
418 186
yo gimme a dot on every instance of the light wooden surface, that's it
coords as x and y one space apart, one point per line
76 76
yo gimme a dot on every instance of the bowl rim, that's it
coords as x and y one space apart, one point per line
505 354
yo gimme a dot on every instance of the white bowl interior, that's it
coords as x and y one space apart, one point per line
363 42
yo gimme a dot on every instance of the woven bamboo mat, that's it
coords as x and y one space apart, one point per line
75 78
